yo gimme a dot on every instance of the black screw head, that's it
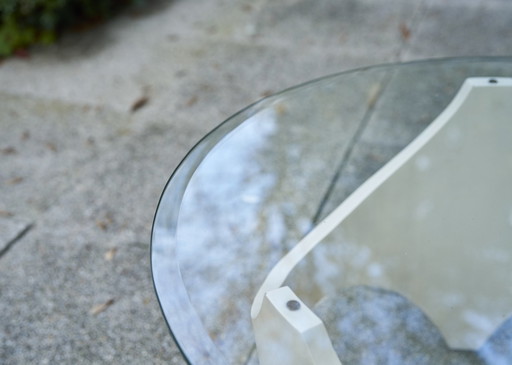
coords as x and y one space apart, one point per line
293 305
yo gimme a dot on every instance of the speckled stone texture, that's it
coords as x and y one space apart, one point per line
373 326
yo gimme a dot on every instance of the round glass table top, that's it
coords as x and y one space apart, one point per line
250 190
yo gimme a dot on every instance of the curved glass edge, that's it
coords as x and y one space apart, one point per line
189 334
186 329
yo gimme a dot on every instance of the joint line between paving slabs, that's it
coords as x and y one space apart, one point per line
413 26
348 152
249 356
18 237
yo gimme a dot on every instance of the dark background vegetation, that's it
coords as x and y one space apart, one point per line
26 22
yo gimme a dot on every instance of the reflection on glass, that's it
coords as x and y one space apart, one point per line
265 179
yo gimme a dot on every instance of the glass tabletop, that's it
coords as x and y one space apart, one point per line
258 183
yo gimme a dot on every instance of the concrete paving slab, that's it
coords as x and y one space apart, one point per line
179 72
86 280
102 66
212 86
462 29
49 300
355 25
44 143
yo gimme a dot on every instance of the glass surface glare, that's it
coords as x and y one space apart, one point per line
252 188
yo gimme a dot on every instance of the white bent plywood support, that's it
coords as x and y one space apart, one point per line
446 202
288 332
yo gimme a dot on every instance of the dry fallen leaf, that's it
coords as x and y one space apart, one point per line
9 151
109 255
51 146
15 180
192 100
102 224
266 93
25 135
6 214
97 309
139 103
106 222
405 31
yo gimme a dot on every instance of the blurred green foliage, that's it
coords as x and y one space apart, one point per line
26 22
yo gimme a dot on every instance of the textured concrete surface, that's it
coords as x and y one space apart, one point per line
91 128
